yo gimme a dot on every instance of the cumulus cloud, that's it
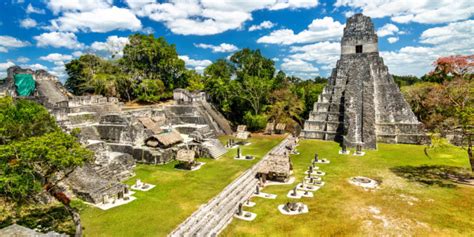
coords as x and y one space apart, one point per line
297 65
263 25
452 39
387 29
222 48
28 23
97 20
208 17
392 39
56 58
423 11
58 40
22 60
113 46
35 66
7 42
306 61
319 30
292 4
58 6
3 68
31 9
77 53
195 64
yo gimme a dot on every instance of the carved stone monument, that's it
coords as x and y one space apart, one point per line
361 103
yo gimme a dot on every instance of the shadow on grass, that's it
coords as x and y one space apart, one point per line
440 175
43 219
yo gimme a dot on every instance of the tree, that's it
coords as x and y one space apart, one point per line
195 81
308 91
22 119
81 71
405 80
249 62
150 90
458 102
40 163
285 107
217 84
147 57
253 90
450 67
35 155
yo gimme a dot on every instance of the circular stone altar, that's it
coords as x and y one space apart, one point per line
364 182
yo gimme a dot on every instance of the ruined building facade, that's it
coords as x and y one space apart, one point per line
362 105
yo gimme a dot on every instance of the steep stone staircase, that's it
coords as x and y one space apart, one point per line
210 219
215 148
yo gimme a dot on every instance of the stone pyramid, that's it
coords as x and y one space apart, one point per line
361 104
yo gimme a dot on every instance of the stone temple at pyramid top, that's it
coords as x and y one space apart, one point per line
361 104
359 36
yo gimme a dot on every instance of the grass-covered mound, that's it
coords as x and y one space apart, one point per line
177 195
415 196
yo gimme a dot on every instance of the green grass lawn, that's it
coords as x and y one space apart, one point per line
398 208
177 195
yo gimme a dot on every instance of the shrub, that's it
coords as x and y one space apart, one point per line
255 122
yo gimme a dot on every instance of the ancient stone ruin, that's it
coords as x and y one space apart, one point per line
119 135
361 104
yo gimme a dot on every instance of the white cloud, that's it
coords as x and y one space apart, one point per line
303 61
4 67
195 64
112 46
297 65
22 59
60 72
58 40
387 29
57 6
28 23
97 20
460 33
421 11
7 42
208 17
452 39
319 30
326 53
35 66
77 53
263 25
222 48
31 9
56 58
292 4
392 39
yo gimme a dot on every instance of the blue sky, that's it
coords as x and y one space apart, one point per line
301 36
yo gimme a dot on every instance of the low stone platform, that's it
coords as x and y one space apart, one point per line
307 187
299 194
265 195
118 202
143 188
246 216
282 210
291 180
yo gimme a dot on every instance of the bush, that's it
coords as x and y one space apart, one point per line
255 122
150 90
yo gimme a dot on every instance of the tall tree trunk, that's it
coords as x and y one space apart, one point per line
469 152
62 198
